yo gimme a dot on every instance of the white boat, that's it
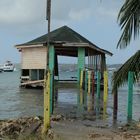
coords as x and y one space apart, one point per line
8 67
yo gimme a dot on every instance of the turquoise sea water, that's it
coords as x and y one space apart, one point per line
19 102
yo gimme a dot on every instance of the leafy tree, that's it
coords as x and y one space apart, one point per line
129 20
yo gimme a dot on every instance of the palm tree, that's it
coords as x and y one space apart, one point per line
121 76
129 20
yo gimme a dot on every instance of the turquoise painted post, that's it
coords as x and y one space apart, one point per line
130 95
81 62
51 68
98 93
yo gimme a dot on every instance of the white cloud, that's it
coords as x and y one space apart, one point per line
107 13
20 11
23 13
31 11
80 15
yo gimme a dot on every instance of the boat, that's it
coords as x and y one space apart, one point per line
8 67
1 68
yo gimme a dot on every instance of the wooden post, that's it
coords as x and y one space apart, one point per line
81 79
81 61
86 79
81 96
51 67
115 108
85 92
89 91
98 93
93 84
105 94
89 82
56 71
81 87
81 66
130 95
83 84
47 77
98 84
46 103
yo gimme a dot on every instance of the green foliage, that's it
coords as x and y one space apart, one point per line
129 20
121 76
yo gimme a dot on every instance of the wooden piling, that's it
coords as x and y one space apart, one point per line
98 84
130 95
81 87
81 62
89 82
47 103
98 93
105 95
86 79
89 91
93 87
93 83
115 106
81 79
83 84
85 90
51 68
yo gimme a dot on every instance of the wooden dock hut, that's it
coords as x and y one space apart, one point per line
64 42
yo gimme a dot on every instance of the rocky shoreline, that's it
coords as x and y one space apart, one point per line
30 128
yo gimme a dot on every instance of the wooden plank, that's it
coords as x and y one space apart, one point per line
32 82
33 58
28 46
76 44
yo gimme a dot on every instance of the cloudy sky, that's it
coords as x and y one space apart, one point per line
24 20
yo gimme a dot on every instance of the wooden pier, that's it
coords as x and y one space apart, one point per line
37 83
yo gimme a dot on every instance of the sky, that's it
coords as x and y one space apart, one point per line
24 20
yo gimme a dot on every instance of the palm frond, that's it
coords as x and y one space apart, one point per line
129 20
121 76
